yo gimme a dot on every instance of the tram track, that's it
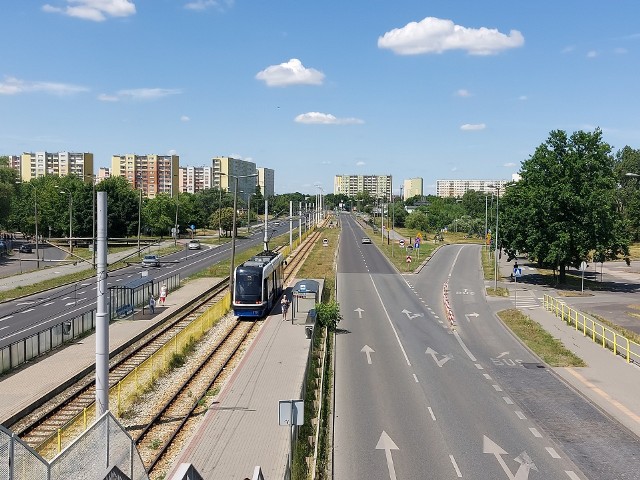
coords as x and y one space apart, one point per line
154 437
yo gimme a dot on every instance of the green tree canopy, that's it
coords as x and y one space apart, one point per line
564 208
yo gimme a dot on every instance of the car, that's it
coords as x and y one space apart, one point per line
26 248
325 242
276 223
366 240
150 261
194 245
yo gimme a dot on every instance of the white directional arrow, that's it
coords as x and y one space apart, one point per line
411 315
385 443
526 465
368 351
359 310
503 354
433 353
474 315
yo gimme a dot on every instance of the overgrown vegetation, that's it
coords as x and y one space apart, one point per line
530 332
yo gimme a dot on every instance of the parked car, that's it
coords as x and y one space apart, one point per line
150 261
325 242
26 248
194 245
366 240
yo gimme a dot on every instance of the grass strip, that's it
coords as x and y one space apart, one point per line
550 349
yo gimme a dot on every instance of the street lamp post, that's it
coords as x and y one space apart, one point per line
496 262
139 217
233 229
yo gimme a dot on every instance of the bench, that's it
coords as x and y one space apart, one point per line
124 310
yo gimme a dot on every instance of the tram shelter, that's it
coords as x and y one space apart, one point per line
124 298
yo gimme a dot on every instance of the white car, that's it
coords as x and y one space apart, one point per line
194 245
150 261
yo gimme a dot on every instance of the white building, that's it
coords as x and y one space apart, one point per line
195 179
266 181
457 188
378 186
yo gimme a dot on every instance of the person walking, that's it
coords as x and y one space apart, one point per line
284 304
152 304
163 293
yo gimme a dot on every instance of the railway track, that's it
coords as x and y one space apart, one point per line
156 439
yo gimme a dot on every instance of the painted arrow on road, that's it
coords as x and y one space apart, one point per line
474 315
411 315
359 310
368 351
385 443
433 353
503 354
526 465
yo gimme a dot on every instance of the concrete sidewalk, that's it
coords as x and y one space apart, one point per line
608 380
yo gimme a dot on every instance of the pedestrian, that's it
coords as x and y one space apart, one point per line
163 293
152 304
284 304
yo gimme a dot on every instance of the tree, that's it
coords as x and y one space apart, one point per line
122 207
328 314
564 208
628 161
224 218
417 220
8 179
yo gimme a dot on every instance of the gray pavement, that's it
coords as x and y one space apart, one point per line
608 380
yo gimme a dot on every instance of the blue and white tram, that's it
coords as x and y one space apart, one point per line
257 284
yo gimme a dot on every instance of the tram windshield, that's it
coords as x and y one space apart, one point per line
248 287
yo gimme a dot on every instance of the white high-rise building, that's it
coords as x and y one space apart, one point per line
378 186
457 188
195 179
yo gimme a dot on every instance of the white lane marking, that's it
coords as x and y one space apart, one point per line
28 310
47 304
415 378
119 280
464 347
436 316
497 388
25 303
454 261
85 284
487 376
390 322
432 415
455 466
6 318
507 400
572 475
479 367
521 415
552 452
535 432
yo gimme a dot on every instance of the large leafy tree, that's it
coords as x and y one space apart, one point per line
8 179
122 207
627 162
564 208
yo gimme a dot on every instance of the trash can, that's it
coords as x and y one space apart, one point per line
308 331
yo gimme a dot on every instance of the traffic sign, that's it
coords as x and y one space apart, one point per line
401 243
517 272
583 266
408 258
416 245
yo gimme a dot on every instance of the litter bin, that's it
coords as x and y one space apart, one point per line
308 331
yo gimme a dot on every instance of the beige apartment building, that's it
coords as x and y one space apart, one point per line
153 174
378 186
38 164
226 168
411 187
266 181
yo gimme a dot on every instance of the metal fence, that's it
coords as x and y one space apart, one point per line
21 351
599 333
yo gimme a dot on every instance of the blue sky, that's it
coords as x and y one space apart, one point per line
413 88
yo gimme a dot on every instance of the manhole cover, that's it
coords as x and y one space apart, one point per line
532 365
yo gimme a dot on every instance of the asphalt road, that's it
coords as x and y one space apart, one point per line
26 316
415 398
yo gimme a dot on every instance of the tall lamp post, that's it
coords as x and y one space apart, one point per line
233 228
496 263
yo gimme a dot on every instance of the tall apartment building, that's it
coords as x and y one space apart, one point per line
103 173
195 179
457 188
39 164
266 181
153 174
226 168
411 188
14 162
378 186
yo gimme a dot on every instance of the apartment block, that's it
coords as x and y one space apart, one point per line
411 187
39 164
103 173
195 179
457 188
153 174
266 181
226 168
378 186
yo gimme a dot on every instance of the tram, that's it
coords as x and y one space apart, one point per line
257 284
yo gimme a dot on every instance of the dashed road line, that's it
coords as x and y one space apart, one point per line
552 452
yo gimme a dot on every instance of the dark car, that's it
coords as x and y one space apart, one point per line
26 248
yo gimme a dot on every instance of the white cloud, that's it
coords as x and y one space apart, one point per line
454 169
139 94
325 119
172 152
463 93
435 35
592 54
94 10
360 163
184 118
568 49
523 97
509 165
15 86
620 51
206 4
473 126
290 73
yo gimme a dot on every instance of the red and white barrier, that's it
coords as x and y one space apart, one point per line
447 305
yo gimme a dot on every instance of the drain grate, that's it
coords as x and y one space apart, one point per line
532 365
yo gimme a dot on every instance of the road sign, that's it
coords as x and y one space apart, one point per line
401 243
416 245
583 266
517 272
408 258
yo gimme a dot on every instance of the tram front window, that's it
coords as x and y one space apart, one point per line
248 288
